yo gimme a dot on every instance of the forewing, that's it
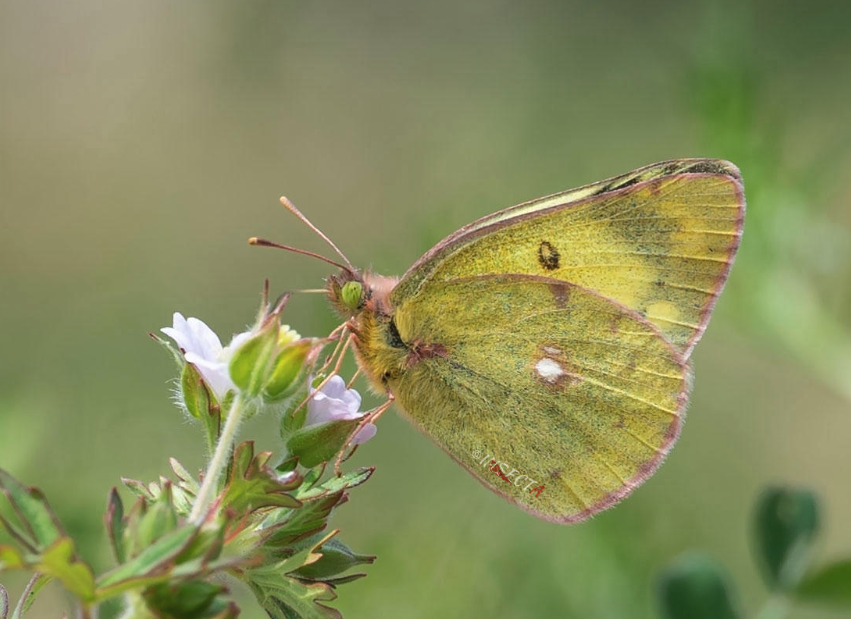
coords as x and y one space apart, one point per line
561 386
659 240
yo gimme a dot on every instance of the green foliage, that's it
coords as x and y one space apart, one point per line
784 529
696 587
259 524
785 526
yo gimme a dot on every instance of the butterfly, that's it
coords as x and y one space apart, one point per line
554 336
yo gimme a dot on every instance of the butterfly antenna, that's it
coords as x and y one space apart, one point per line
266 243
292 209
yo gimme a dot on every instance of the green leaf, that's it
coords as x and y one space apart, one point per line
336 558
187 600
253 485
289 527
695 587
830 584
320 443
114 519
159 519
153 559
786 524
60 562
335 484
33 510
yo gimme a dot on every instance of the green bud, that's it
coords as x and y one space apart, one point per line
287 367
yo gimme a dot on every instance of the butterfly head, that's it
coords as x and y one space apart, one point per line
347 292
352 291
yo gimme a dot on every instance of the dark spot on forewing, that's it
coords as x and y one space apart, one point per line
561 294
548 256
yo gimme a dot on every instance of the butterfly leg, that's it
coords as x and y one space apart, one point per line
370 417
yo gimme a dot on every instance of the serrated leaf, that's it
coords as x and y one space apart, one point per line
114 519
186 479
33 510
830 584
60 562
159 519
285 597
300 523
695 587
320 443
786 524
253 485
154 558
336 558
312 477
335 484
138 488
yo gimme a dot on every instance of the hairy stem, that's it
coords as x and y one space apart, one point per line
218 462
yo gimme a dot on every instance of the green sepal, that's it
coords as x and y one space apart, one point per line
320 443
253 485
786 524
159 519
41 526
173 352
830 584
201 403
288 367
249 366
114 519
336 558
337 483
696 587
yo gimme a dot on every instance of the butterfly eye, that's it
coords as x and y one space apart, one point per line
351 295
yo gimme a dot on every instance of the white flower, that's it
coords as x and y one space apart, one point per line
334 402
203 349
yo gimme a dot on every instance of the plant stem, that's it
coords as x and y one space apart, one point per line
775 607
218 462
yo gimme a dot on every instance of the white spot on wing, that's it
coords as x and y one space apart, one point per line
549 370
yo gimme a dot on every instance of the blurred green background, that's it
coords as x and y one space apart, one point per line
141 143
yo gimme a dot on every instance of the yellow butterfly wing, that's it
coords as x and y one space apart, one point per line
576 398
659 240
